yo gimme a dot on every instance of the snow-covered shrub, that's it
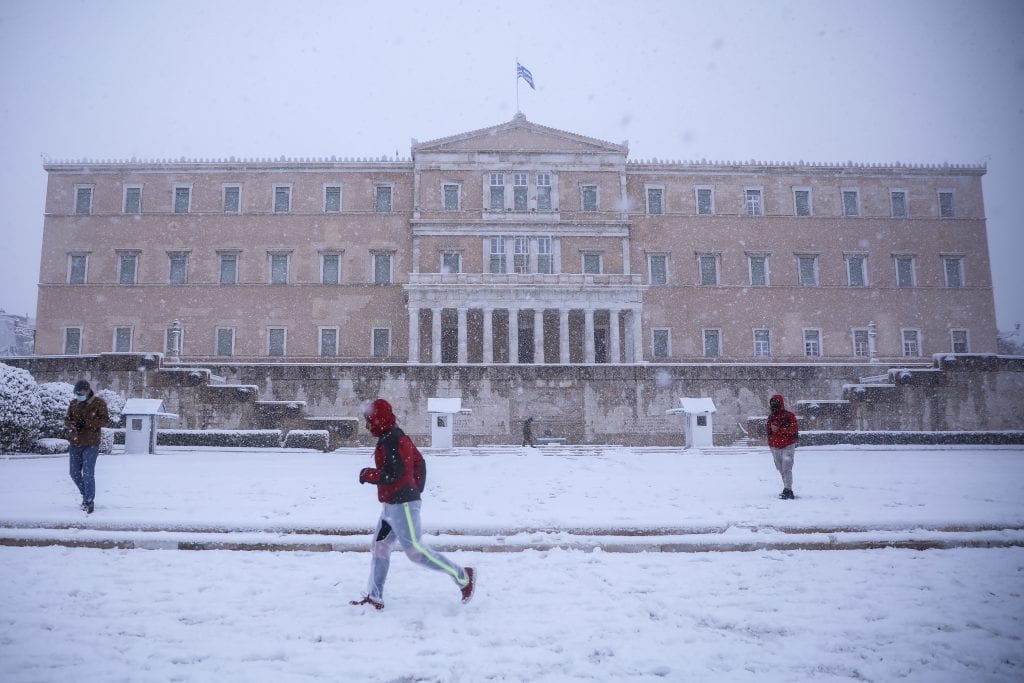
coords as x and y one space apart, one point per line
48 446
115 404
20 410
308 438
54 398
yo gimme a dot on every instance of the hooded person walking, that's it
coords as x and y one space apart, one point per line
400 475
87 415
782 432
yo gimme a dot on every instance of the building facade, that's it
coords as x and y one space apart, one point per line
517 243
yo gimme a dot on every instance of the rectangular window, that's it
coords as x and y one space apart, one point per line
228 269
332 199
592 264
954 269
712 343
225 341
77 267
521 255
545 257
278 269
543 191
860 343
330 269
898 203
762 343
122 340
958 341
705 201
851 203
657 265
589 197
451 197
382 269
660 344
127 268
655 205
753 202
946 205
182 199
905 271
812 342
328 341
802 202
282 199
72 341
857 270
178 274
497 196
911 343
381 342
133 199
758 270
451 262
519 191
496 261
83 201
708 265
232 199
276 339
382 202
808 266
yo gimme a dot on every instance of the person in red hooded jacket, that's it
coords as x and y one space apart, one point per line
400 475
782 432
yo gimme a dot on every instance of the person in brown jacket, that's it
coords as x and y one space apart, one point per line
86 416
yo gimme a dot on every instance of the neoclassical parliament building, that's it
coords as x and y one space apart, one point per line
518 243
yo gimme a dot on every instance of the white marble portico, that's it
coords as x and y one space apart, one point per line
606 307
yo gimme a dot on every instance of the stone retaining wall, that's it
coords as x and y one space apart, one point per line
600 404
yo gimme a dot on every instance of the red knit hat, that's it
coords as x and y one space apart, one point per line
380 416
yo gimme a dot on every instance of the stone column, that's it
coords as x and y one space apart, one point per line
414 334
613 333
538 335
563 335
488 335
463 348
588 335
435 335
513 335
638 336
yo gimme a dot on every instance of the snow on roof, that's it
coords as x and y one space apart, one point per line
145 406
444 405
694 405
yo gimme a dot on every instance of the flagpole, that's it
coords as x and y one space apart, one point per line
517 85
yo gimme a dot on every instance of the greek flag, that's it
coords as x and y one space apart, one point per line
524 73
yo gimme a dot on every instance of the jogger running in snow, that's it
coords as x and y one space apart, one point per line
400 475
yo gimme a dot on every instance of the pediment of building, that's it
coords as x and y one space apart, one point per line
519 135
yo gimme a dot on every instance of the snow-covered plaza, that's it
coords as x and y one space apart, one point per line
612 564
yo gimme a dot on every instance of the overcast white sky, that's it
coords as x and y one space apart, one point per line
918 81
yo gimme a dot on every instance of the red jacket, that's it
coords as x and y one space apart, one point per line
787 431
400 472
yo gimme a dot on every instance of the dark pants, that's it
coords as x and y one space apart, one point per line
83 470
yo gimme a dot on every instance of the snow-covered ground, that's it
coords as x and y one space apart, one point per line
544 615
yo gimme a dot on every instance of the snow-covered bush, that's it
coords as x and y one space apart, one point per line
54 398
318 439
115 404
52 446
20 410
